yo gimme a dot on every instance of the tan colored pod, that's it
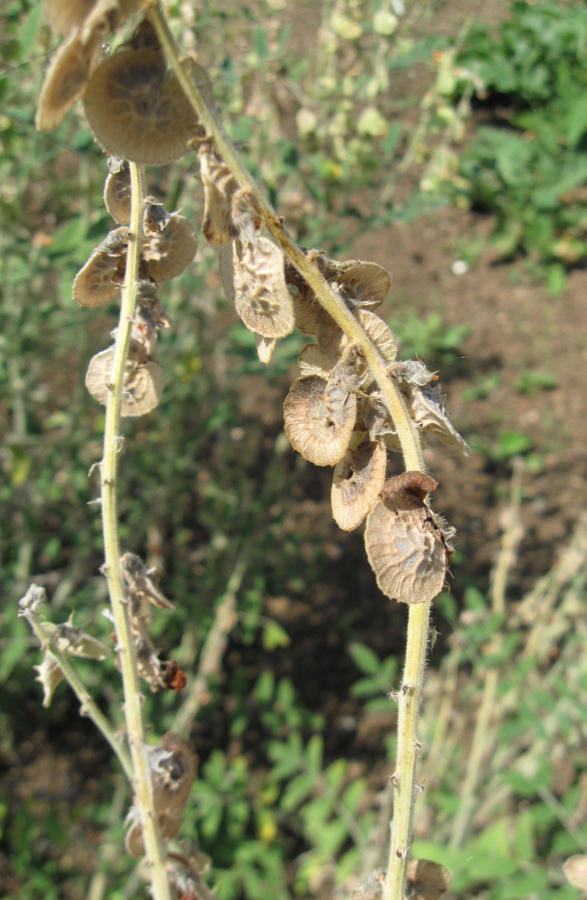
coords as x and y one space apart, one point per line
361 284
426 880
117 192
319 419
66 79
405 547
100 280
169 251
356 483
253 279
142 384
220 186
67 15
137 110
314 361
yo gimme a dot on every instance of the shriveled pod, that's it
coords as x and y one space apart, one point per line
220 186
169 251
148 299
66 79
405 546
319 419
256 284
100 280
361 284
357 480
142 385
117 190
426 880
67 15
314 361
155 216
138 110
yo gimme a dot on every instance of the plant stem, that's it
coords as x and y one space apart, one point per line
410 700
133 712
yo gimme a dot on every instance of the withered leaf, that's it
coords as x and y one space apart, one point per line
405 545
265 348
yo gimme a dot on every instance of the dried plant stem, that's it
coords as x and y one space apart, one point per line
88 705
112 569
410 700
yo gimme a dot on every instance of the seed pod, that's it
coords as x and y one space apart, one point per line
255 283
361 284
426 880
405 546
117 190
314 361
66 79
319 419
137 110
73 640
357 481
67 15
100 280
170 248
265 348
220 186
427 404
148 301
108 15
142 384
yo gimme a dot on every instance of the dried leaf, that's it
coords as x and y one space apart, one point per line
357 480
169 248
142 383
220 186
404 543
426 880
100 280
319 419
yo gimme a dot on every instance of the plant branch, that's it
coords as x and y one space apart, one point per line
112 568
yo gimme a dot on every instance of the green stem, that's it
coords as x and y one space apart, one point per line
133 712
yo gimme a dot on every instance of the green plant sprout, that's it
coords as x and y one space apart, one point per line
353 406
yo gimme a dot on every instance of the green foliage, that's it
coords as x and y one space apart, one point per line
429 339
528 168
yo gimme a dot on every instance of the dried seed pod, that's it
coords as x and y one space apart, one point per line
356 483
148 302
220 186
66 79
379 333
173 767
319 419
50 675
67 15
314 361
139 581
306 312
137 110
170 247
361 284
100 280
426 880
117 190
142 384
405 546
255 283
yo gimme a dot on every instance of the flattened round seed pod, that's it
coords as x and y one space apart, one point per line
404 545
170 251
314 361
427 880
67 15
220 186
142 384
108 15
261 298
148 299
100 280
363 284
306 314
319 422
138 111
117 192
357 481
155 216
380 333
65 80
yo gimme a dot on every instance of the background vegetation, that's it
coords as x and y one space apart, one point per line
365 121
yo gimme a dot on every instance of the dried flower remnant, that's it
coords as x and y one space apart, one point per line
426 880
319 418
137 110
357 480
173 767
220 186
148 301
139 581
405 545
168 248
100 280
117 190
425 403
142 386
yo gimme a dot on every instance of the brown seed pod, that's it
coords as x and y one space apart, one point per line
108 15
426 880
117 190
314 361
220 186
148 301
255 283
100 280
380 334
67 15
361 284
137 110
319 419
142 384
66 80
169 250
405 546
426 403
356 483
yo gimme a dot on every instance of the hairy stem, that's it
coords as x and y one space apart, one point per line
410 701
112 569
